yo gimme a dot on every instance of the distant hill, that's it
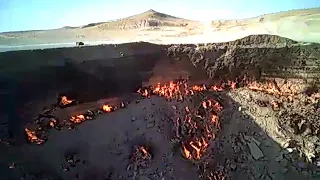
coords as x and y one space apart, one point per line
92 24
147 19
68 27
307 15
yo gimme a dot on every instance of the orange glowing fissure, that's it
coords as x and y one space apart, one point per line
173 89
80 118
194 149
32 137
65 100
144 151
198 146
107 108
186 153
176 90
267 88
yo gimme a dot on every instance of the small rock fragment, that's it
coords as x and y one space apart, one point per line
286 144
255 150
301 165
268 178
129 167
246 137
284 170
290 150
284 162
255 141
144 178
279 158
233 166
267 143
12 166
151 124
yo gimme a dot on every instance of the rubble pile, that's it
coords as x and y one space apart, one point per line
256 56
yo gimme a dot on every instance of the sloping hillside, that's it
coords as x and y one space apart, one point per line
305 14
147 19
300 25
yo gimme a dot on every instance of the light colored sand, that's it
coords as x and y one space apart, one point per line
299 25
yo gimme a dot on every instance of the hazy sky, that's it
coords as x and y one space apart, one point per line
17 15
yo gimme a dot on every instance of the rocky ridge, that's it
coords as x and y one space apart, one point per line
255 55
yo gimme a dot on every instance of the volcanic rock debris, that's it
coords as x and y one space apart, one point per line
197 125
239 127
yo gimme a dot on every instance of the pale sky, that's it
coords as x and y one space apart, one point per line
19 15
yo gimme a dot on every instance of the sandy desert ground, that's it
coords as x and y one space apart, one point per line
155 27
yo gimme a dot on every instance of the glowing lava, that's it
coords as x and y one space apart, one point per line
78 119
65 101
107 108
32 137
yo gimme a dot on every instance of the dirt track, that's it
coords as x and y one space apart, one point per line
89 74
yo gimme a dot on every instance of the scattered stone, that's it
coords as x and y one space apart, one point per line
135 174
258 143
272 175
279 158
144 178
233 166
268 178
129 167
236 149
290 150
317 149
72 160
246 137
12 166
284 162
301 165
151 124
243 166
255 150
286 144
267 143
284 170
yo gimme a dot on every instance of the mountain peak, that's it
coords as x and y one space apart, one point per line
154 14
151 10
